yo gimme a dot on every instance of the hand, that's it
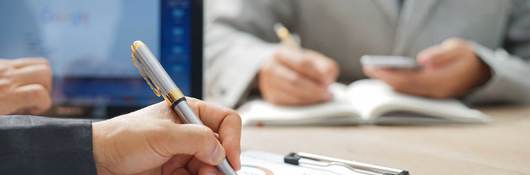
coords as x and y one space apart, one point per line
152 141
294 78
449 70
25 86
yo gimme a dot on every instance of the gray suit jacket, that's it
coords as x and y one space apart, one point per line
37 145
240 37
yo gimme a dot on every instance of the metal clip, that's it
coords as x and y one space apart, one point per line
298 159
143 73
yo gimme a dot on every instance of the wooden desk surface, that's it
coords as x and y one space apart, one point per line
502 147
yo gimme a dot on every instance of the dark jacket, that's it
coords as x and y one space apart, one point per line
38 145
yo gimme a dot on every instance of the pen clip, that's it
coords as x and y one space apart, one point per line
142 72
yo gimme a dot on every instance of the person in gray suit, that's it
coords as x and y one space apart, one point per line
474 50
148 141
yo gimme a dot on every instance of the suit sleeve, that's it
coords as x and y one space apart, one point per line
238 40
510 82
37 145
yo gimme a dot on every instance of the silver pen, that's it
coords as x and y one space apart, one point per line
162 85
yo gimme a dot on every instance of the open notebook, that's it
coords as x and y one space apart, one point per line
363 102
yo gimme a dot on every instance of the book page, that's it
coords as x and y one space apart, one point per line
375 99
261 163
368 95
336 112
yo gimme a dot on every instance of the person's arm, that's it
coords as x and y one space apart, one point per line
148 141
241 56
510 68
237 43
458 68
37 145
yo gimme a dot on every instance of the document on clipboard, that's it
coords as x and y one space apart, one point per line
262 163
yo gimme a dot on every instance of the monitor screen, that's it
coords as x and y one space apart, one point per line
87 43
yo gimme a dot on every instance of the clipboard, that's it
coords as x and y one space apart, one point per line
263 163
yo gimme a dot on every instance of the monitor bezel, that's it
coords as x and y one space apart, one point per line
197 48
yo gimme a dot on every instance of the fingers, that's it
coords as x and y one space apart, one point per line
36 98
195 140
209 170
27 82
33 74
4 68
225 122
31 81
297 86
445 53
295 78
180 171
23 62
5 85
176 165
283 86
404 81
426 84
326 66
310 64
197 167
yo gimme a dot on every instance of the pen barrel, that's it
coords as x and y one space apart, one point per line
226 168
187 115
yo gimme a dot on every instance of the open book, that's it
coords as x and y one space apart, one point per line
363 102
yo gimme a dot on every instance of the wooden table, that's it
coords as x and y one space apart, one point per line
502 147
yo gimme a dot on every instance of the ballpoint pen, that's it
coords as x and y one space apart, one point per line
162 85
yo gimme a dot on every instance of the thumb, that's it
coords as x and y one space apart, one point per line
445 53
196 140
437 56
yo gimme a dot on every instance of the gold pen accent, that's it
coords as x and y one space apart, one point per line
173 96
141 70
286 37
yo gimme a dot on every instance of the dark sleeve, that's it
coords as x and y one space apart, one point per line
38 145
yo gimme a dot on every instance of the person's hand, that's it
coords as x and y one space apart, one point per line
297 78
25 86
450 69
152 141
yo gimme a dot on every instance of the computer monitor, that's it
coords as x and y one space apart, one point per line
87 43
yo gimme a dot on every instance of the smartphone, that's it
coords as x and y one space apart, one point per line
389 62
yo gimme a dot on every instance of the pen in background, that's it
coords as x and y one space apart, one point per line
285 37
